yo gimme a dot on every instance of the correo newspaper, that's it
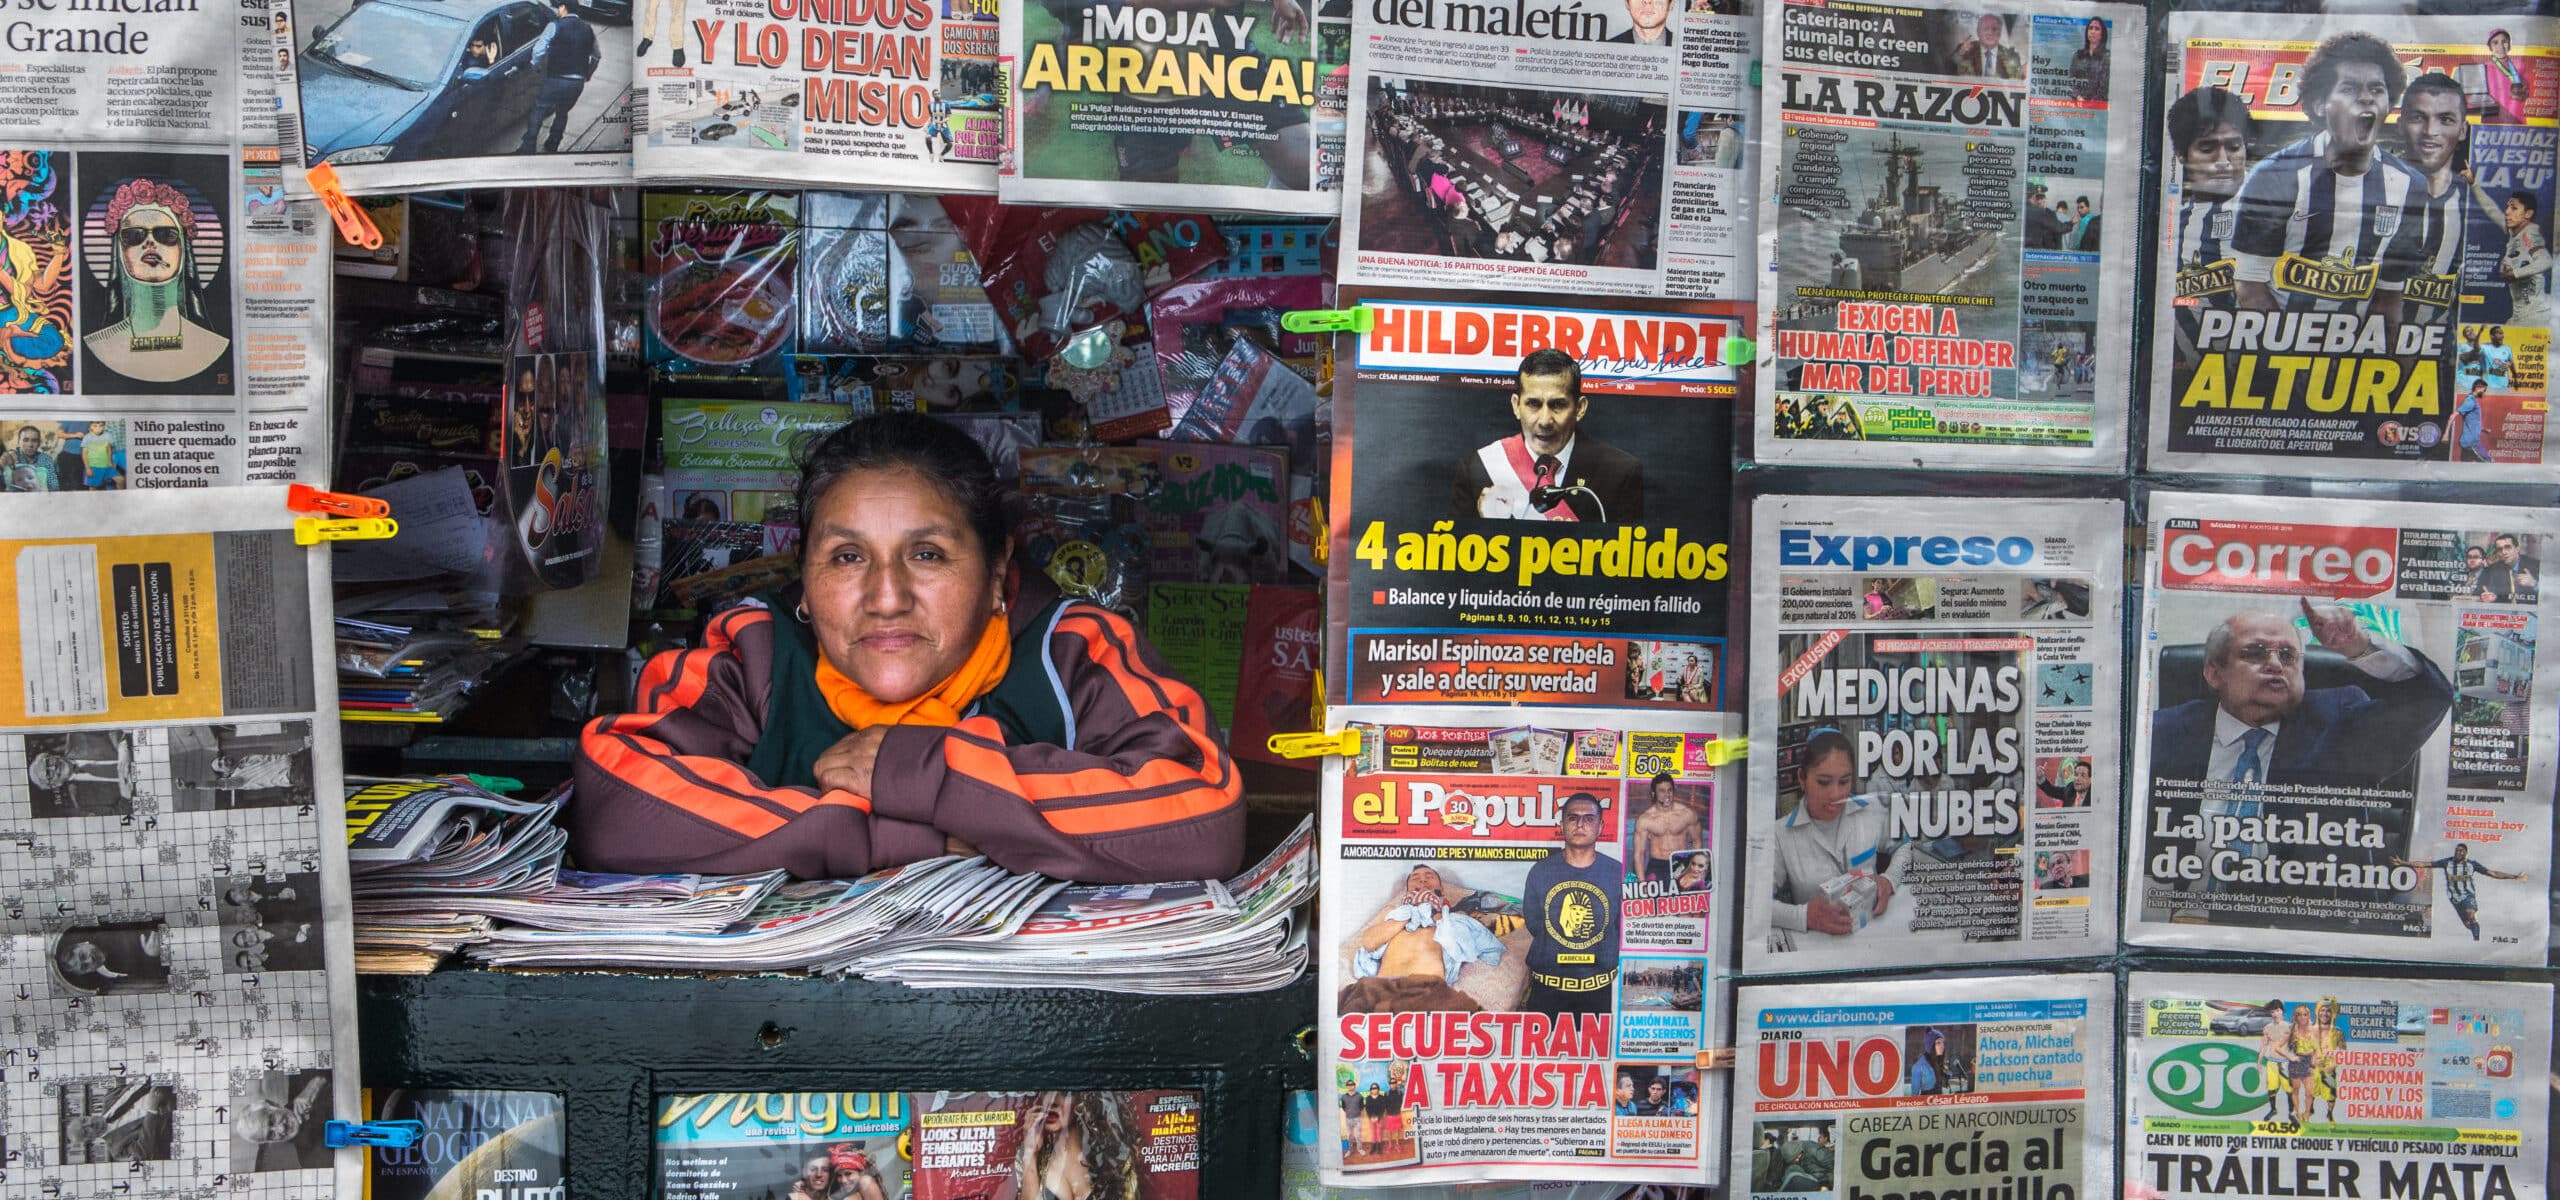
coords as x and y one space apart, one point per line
1933 723
1520 944
1949 245
1991 1088
2340 740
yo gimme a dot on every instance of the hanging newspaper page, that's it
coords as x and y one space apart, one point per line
2288 1085
1967 1087
1510 146
1933 718
399 96
2340 733
1530 503
1707 235
173 888
1947 238
1520 944
1167 104
163 310
892 95
2355 273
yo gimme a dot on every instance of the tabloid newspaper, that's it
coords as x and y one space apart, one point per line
1530 501
1521 950
163 308
2355 257
399 97
1947 239
2284 1085
879 94
1157 104
1582 146
2340 740
1934 689
1999 1088
173 900
1135 1145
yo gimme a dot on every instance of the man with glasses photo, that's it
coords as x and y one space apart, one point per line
2262 725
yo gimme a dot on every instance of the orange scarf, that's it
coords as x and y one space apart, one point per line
941 706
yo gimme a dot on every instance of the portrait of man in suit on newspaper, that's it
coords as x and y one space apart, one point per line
2261 724
1550 470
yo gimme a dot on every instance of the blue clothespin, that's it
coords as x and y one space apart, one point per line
339 1134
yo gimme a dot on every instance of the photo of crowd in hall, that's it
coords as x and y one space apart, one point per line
1480 172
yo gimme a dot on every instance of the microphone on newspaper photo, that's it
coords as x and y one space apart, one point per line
1545 498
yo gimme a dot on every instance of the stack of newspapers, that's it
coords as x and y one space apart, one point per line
964 922
425 855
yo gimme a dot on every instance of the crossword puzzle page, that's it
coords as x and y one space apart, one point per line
176 957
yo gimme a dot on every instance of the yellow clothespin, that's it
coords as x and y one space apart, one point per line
311 531
1315 745
353 225
1725 750
304 498
1323 548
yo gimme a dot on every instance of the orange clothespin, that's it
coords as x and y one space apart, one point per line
304 498
353 225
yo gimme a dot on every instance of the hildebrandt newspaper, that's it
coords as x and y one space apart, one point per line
1519 946
2288 1085
2342 745
882 94
1518 144
1933 713
1994 1088
1541 500
2355 259
1951 250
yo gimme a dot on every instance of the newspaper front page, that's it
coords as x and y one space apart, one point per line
1991 1087
407 96
2355 225
1934 695
890 95
1534 147
1707 228
1950 247
1158 104
1530 501
2284 1085
163 309
2341 739
173 896
1521 948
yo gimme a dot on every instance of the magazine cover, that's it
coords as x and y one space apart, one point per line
1519 959
2265 1085
1164 104
1199 630
2340 737
1944 229
396 95
1275 693
481 1145
1530 501
1141 1145
1989 1086
1934 697
1594 149
2356 218
889 97
852 281
720 266
1223 510
739 461
782 1146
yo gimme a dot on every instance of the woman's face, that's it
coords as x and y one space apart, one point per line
2498 45
1826 782
1054 1109
83 958
2516 214
149 240
2095 33
899 590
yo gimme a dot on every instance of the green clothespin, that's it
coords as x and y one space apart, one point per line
1755 72
1358 318
500 784
1739 352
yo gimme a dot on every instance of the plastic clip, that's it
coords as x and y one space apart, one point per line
1322 549
503 785
1315 745
1738 352
341 1134
1725 750
1755 72
353 225
311 531
304 498
1359 318
1719 1058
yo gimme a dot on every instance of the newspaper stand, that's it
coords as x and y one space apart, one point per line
611 1042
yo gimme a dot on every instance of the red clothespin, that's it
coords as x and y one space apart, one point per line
304 498
353 225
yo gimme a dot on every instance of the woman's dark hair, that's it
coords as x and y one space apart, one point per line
941 453
1823 744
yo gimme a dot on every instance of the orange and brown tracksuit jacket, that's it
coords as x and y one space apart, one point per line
1089 761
